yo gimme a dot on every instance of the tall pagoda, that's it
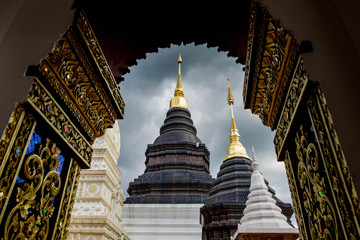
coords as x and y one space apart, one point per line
225 204
164 201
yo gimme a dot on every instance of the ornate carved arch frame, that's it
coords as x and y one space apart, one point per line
278 88
75 97
73 100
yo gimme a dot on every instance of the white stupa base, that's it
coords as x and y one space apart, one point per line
162 221
262 218
263 233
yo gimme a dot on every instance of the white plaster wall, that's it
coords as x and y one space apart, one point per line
162 221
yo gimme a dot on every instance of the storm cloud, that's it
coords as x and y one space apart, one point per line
147 91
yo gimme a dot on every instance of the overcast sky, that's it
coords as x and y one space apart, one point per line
148 89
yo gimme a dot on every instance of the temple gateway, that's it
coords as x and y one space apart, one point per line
62 63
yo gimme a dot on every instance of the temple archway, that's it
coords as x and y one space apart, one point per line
316 75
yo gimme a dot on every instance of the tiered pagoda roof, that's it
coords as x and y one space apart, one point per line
177 163
225 204
262 217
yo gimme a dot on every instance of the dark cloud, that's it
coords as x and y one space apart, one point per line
148 89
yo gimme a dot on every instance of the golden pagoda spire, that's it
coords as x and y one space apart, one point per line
179 100
235 149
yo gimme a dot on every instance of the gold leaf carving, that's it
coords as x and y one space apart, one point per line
42 101
42 182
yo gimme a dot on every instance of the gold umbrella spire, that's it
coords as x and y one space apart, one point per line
235 149
179 100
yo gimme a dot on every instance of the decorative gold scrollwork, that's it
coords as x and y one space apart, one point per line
67 202
325 200
295 195
88 101
339 178
95 50
69 72
19 129
318 207
249 48
42 101
292 101
276 53
35 198
76 97
10 130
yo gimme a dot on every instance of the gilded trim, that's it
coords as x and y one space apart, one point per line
68 71
15 152
337 171
39 184
67 202
276 51
42 101
295 196
293 98
249 48
94 48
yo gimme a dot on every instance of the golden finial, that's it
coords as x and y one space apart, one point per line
179 100
230 97
179 59
235 149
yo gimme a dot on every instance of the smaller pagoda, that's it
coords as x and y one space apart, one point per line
224 207
262 218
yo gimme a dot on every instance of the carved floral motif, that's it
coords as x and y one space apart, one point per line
19 128
95 49
291 103
38 186
295 196
274 57
323 194
324 197
68 71
74 99
319 209
338 174
67 203
42 101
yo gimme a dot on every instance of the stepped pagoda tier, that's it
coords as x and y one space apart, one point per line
262 218
177 163
225 204
165 200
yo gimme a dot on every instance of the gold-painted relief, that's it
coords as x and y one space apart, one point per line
291 103
13 156
295 196
38 184
282 94
249 47
337 172
72 76
100 60
319 208
274 62
42 101
74 99
323 194
67 202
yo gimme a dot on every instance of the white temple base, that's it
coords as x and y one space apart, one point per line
262 218
162 221
264 233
